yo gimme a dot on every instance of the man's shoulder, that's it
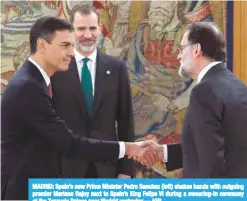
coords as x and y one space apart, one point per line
110 58
20 77
25 77
220 77
19 88
23 83
115 63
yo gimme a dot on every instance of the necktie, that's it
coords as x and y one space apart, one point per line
86 85
50 90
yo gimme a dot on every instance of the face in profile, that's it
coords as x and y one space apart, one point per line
87 32
185 56
58 51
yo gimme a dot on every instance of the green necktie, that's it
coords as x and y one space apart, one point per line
86 85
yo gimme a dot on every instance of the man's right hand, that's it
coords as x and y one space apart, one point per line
145 152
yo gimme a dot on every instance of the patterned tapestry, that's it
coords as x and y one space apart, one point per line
143 33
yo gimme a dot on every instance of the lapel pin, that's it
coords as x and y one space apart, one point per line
108 72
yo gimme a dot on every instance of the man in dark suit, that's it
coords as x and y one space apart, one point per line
94 98
33 135
214 135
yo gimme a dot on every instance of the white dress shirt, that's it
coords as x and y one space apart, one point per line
41 70
91 65
199 78
48 81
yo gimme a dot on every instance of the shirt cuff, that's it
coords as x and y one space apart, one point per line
121 150
165 153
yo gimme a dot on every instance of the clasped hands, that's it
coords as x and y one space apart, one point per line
146 152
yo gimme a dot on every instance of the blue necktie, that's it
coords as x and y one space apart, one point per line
86 85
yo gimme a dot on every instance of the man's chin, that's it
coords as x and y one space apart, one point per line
182 73
87 48
63 68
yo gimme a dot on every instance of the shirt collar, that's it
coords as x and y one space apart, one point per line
43 73
79 56
205 70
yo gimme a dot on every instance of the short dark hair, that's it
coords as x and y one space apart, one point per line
83 9
210 38
45 28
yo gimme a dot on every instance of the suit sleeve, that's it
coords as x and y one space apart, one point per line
38 114
125 120
175 157
206 117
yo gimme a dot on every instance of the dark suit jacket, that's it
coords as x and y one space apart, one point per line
33 135
214 136
112 116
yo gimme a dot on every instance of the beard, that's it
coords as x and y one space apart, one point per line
183 70
86 48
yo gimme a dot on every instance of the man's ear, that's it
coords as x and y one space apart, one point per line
197 50
41 45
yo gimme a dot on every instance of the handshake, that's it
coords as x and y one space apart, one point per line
146 152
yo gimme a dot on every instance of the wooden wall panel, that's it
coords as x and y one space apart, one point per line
240 40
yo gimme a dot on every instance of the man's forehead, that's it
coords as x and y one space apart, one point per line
62 32
64 35
85 25
81 19
185 37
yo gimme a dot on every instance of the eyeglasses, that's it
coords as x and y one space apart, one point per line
182 47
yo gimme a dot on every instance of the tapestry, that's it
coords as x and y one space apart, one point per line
143 33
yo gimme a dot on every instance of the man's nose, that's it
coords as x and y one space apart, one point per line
87 34
71 52
179 55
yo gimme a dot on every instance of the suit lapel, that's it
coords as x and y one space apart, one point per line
101 72
76 86
38 76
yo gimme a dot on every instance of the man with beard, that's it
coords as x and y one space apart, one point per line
214 137
94 97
